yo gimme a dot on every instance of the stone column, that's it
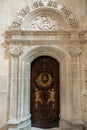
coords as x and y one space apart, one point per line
76 121
15 50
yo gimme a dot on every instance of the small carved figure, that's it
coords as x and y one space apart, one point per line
51 97
37 97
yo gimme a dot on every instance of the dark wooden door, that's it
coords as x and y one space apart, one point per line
45 92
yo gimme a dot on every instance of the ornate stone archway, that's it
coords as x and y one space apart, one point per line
35 32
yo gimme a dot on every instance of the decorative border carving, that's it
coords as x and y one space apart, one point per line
66 37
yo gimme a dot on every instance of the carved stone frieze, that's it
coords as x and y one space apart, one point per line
75 50
15 50
62 36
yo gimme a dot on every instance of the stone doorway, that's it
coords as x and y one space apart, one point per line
56 37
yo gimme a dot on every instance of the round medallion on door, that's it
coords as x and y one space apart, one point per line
45 80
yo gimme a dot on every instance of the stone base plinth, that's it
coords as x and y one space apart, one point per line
25 125
71 125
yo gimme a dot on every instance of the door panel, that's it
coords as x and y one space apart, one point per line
45 96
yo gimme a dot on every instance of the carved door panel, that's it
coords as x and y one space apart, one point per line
45 98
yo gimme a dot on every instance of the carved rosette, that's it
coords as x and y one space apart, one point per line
75 50
15 50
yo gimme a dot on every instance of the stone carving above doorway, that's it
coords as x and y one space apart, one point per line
47 22
43 23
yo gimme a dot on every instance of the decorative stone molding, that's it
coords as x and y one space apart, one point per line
84 100
61 37
2 50
48 31
15 49
67 14
75 50
84 92
13 118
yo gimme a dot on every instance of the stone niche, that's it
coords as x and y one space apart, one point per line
45 28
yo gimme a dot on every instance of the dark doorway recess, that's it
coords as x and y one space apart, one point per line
45 92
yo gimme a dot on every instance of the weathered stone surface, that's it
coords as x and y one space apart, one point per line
52 28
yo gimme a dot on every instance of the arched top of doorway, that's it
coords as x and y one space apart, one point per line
45 50
45 16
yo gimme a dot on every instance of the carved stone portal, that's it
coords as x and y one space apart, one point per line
45 29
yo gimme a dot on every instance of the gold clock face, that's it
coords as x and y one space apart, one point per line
44 79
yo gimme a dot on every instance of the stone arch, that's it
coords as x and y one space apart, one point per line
51 50
65 79
62 13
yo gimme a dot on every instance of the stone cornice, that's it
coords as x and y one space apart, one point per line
61 36
68 31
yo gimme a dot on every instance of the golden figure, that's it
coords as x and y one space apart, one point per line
51 97
37 97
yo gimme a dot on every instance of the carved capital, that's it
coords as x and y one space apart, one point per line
75 50
15 50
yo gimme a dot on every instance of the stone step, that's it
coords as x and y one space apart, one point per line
34 128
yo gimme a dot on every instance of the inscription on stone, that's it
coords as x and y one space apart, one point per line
52 3
40 4
70 17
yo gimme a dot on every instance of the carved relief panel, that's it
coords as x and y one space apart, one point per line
45 106
44 22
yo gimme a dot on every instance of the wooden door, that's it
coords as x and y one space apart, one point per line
45 92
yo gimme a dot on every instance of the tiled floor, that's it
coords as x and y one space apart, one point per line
33 128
